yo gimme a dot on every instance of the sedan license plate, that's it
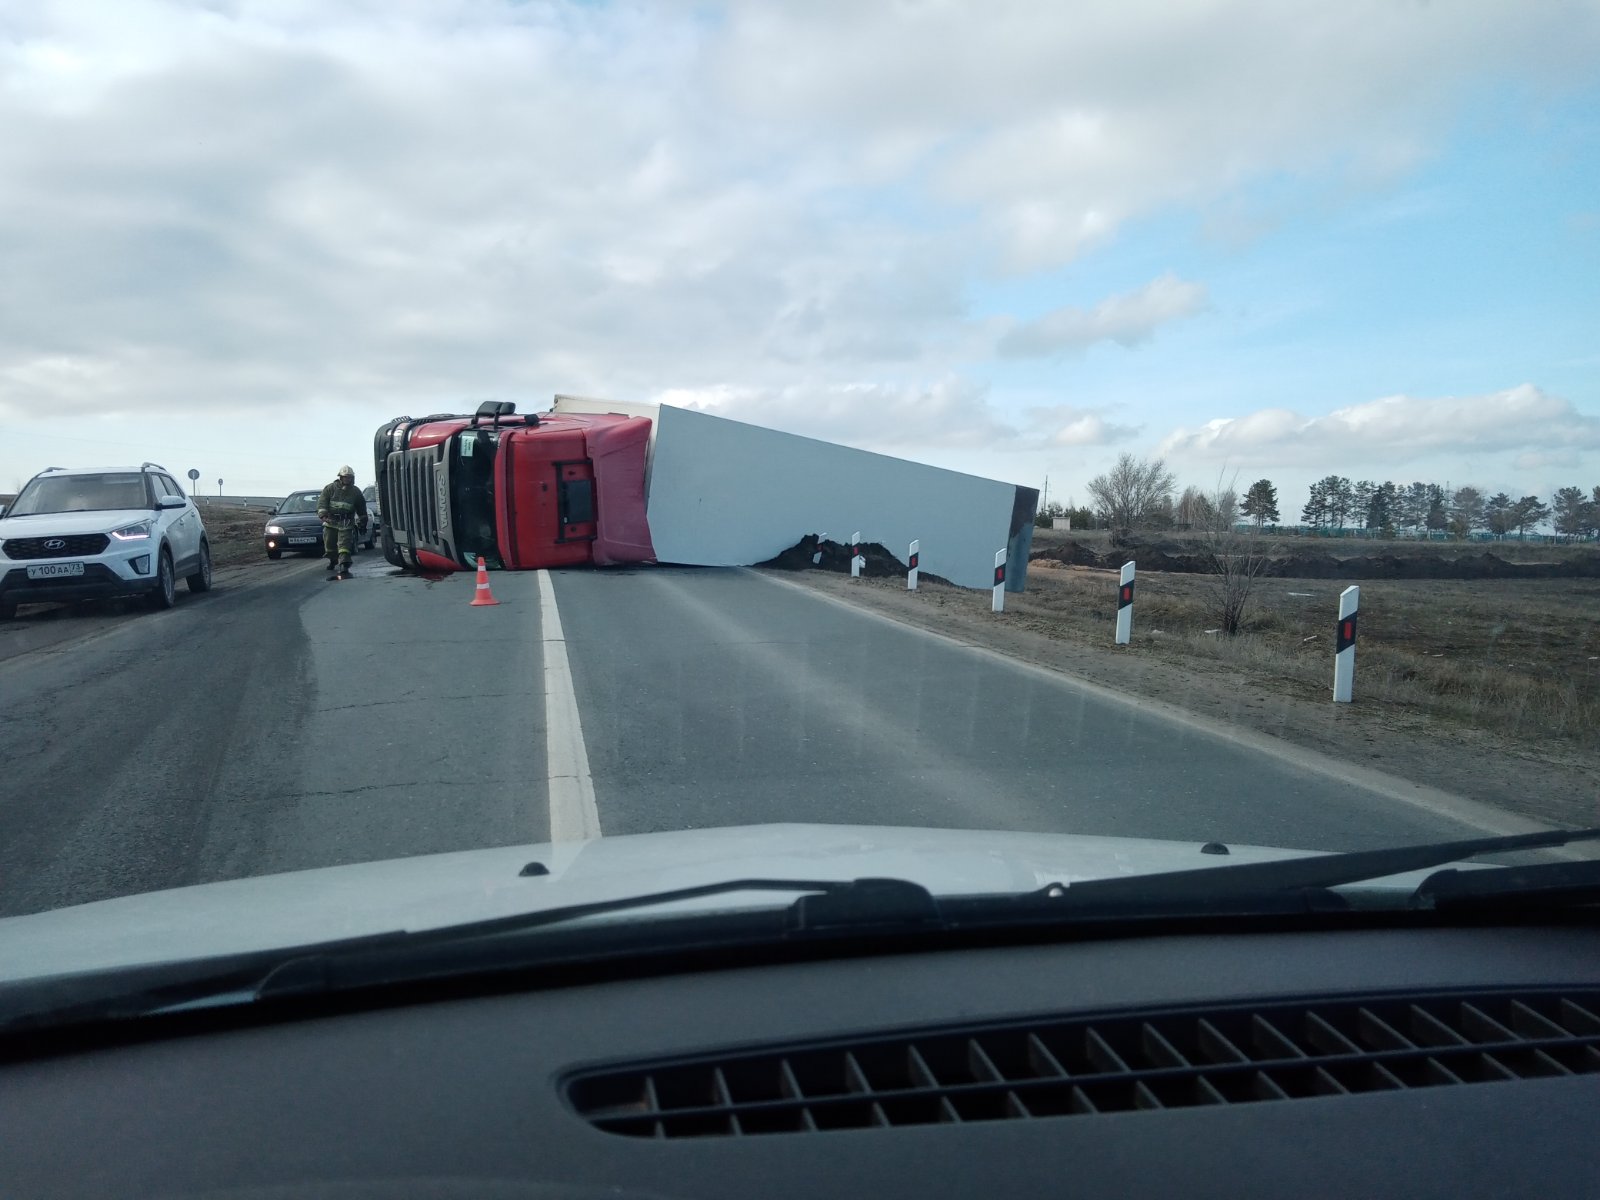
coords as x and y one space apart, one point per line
302 541
54 570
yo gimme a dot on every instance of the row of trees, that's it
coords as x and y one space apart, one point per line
1337 503
1138 494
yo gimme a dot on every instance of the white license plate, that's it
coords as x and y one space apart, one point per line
301 541
54 570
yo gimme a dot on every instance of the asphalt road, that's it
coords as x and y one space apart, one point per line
284 722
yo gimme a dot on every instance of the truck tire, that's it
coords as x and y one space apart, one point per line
391 552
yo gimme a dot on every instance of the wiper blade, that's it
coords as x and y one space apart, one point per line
822 905
1546 885
859 898
1221 886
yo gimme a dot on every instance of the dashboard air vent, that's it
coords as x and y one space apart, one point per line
1120 1063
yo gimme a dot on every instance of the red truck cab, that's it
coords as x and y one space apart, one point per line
540 490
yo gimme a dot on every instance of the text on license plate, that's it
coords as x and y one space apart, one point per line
303 541
54 570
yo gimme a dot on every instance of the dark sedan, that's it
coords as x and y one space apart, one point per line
374 518
294 525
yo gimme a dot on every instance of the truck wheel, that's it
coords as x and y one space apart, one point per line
166 593
391 552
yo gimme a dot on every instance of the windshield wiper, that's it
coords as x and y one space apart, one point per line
823 909
823 905
830 906
390 956
1544 886
1223 887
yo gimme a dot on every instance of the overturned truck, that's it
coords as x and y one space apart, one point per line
596 482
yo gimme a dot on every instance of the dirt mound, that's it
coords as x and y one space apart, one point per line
809 555
1303 564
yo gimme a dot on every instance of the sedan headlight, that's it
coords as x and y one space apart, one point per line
138 532
274 528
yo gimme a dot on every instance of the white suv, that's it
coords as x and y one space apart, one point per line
77 534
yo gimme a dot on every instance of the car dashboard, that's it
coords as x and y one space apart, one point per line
1351 1062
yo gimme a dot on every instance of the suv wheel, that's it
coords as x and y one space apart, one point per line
166 593
200 581
8 610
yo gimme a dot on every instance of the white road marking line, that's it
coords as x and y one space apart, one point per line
574 817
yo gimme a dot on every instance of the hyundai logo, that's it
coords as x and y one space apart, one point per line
56 544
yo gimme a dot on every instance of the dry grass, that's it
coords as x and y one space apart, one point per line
235 534
1514 656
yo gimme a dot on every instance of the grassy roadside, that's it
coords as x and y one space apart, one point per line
235 535
1515 657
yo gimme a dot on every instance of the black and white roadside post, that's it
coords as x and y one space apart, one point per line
856 560
1125 605
911 567
998 602
816 556
1344 645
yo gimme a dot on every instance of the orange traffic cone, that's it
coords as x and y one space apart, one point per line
483 595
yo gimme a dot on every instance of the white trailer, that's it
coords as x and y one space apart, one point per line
727 493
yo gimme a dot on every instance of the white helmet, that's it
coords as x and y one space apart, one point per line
347 471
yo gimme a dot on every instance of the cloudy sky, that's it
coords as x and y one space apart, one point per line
1257 237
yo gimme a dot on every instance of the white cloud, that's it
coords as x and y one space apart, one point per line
1544 460
297 207
951 412
1394 429
1128 319
1058 123
1060 425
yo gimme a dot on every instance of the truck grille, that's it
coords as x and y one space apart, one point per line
1086 1066
78 545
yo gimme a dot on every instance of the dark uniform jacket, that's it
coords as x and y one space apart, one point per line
342 503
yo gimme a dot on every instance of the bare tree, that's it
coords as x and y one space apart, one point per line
1197 509
1194 508
1131 492
1236 557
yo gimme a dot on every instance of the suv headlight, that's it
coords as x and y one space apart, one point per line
274 528
138 532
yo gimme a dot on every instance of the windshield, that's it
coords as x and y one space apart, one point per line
300 502
984 445
81 493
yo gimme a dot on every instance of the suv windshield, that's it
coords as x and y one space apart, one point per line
300 502
82 493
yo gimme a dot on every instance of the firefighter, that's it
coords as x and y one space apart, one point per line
341 508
